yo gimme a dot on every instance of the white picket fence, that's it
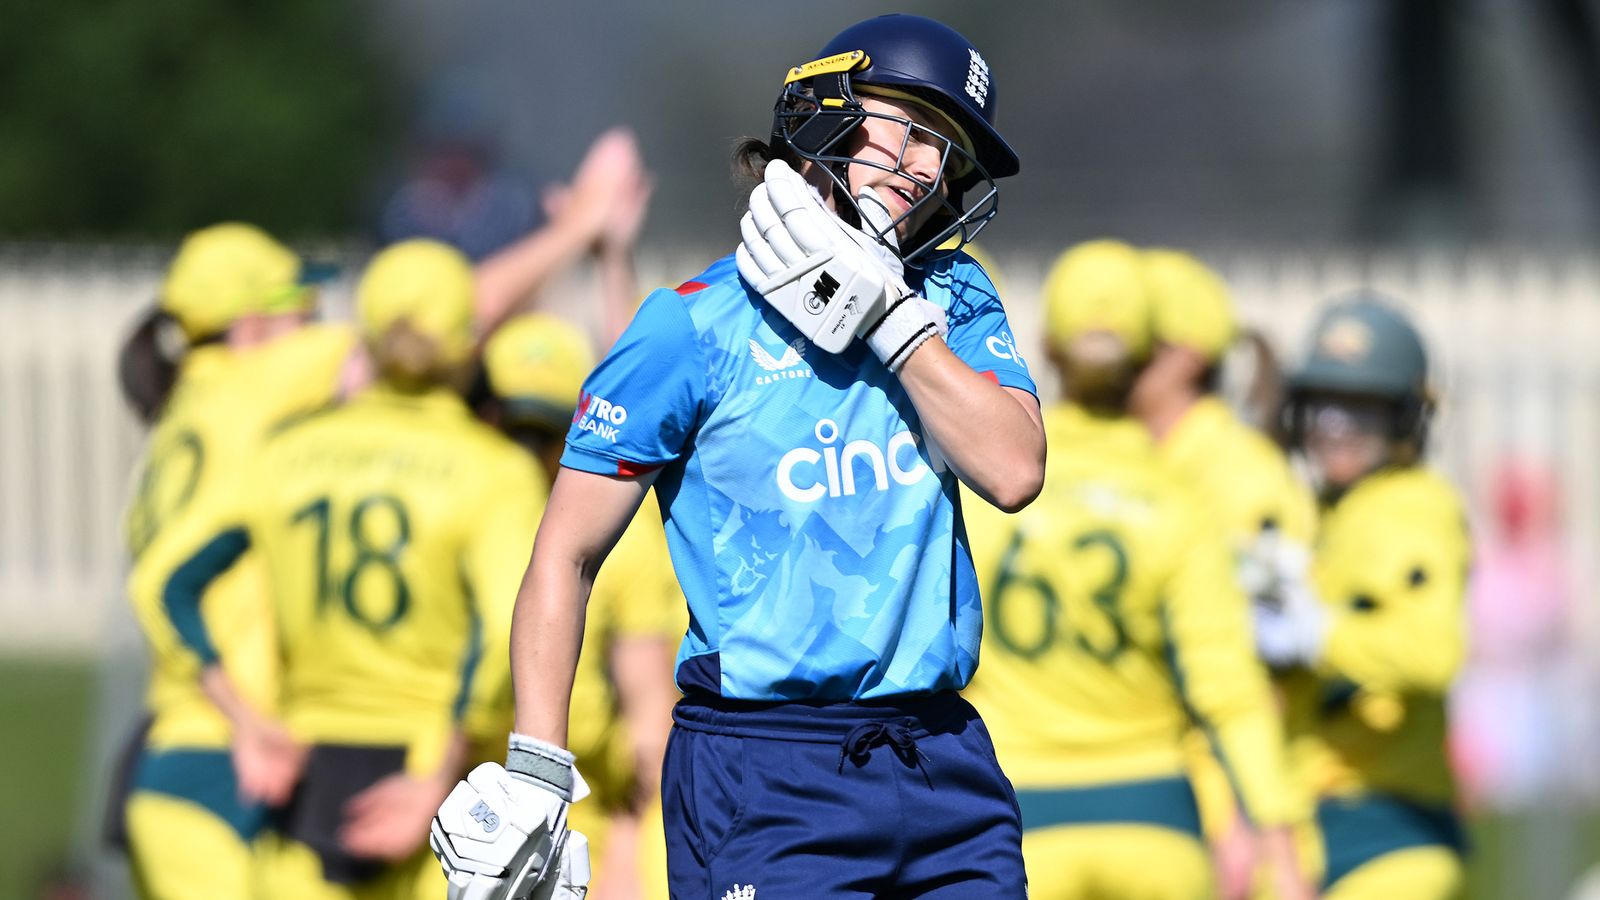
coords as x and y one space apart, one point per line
1511 334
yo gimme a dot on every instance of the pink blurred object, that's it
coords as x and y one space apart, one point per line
1518 599
1506 732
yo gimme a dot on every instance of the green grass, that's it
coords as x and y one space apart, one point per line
47 757
1536 855
45 710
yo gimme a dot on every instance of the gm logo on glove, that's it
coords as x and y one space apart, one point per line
483 815
817 298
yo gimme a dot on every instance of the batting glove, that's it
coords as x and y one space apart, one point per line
502 833
1290 630
1270 565
831 281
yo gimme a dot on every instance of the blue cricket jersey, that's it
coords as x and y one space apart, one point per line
814 529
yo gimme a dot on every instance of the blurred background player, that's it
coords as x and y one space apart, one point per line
1112 614
1376 633
1240 474
529 385
392 529
225 340
221 358
599 213
622 692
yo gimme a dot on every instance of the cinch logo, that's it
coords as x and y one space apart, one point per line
599 415
800 481
1003 346
817 298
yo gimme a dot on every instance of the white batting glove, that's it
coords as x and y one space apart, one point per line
502 833
1291 635
1290 622
572 878
1270 564
833 282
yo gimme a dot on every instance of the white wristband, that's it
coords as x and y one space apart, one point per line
543 764
909 322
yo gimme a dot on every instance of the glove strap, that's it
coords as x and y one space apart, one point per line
542 763
901 330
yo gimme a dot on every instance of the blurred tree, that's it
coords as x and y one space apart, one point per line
151 117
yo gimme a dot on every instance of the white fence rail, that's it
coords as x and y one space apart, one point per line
1512 336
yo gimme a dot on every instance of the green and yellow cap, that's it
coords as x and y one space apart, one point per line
536 365
1098 286
1192 306
428 284
227 271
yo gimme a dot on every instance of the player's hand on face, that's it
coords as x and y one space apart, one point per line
831 281
390 819
267 761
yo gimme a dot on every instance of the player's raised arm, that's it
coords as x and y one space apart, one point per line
619 284
836 282
992 436
608 178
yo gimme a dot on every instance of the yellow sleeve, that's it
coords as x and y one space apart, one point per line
1398 624
297 373
1223 684
1258 491
218 538
499 541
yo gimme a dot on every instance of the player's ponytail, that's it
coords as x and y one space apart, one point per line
408 359
1252 379
1097 370
750 158
147 363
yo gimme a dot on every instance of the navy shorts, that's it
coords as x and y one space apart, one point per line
1358 829
853 800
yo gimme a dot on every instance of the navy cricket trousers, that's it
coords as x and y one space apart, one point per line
798 801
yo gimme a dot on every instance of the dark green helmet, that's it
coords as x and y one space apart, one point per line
1363 346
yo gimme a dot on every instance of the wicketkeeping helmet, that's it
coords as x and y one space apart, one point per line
1362 346
903 57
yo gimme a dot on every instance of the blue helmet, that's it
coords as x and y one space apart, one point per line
910 58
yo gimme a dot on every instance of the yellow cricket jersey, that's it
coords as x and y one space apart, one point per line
1390 566
1241 475
187 488
1247 487
1110 615
395 530
636 595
